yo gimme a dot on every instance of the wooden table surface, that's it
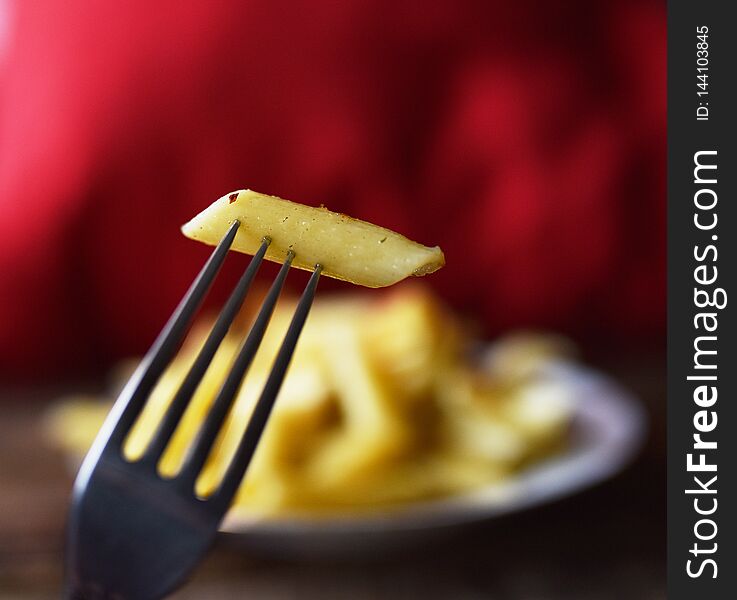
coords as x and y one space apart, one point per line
606 543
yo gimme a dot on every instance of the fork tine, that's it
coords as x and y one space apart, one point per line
197 455
134 395
247 446
181 399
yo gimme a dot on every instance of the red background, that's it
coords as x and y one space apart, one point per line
527 139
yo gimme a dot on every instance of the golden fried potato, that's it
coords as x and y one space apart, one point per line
380 406
347 248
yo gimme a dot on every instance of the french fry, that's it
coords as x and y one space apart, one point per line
347 249
379 407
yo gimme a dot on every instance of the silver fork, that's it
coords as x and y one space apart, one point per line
133 534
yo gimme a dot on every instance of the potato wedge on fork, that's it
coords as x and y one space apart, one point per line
347 249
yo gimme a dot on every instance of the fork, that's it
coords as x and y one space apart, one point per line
131 533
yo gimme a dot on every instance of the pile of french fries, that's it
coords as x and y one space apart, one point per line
381 406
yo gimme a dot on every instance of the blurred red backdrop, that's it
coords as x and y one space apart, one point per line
527 139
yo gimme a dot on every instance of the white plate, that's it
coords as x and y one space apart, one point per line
608 428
